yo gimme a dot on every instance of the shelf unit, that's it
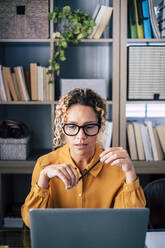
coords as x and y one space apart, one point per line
96 58
142 167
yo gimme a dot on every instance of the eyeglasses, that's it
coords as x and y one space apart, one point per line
89 129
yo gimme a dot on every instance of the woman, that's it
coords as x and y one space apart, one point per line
80 118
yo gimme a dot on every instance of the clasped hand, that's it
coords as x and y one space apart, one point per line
116 156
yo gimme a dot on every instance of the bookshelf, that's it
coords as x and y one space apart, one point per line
95 58
142 167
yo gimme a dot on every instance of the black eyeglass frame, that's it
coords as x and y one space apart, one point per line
83 127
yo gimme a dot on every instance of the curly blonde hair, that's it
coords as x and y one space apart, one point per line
86 97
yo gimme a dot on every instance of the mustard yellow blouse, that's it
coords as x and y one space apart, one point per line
103 187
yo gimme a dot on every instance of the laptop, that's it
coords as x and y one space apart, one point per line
88 228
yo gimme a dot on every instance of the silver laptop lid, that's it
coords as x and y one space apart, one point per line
88 228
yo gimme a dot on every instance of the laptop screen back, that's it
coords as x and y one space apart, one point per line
88 228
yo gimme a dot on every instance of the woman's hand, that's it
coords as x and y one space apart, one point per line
63 171
119 157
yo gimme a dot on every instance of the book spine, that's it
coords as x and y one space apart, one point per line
2 87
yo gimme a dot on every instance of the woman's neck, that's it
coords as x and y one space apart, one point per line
82 161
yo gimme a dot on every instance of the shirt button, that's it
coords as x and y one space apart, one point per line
79 195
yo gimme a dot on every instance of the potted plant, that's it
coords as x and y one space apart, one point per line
72 26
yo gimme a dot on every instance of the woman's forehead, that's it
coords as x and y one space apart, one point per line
81 113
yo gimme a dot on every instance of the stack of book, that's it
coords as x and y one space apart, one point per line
40 88
101 16
146 142
146 73
142 21
17 85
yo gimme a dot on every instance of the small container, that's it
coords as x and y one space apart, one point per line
14 149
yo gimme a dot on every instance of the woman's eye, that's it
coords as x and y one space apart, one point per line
90 126
72 126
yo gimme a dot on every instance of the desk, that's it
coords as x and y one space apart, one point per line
21 238
155 239
15 238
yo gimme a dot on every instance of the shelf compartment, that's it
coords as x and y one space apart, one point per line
38 119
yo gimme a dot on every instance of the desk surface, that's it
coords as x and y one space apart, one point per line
21 238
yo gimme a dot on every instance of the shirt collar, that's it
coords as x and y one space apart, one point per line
95 171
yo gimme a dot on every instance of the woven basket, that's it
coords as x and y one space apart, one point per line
24 19
14 149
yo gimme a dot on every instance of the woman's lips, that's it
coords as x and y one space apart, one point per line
81 146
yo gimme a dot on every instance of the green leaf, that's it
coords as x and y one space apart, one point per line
57 66
62 58
64 44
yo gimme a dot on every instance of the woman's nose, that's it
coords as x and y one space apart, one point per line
81 133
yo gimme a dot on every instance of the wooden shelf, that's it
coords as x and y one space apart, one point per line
16 167
21 166
36 102
28 102
150 167
26 167
25 40
145 40
145 101
97 40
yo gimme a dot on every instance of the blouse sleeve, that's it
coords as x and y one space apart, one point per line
37 198
130 196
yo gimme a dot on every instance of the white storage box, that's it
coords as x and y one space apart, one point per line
14 149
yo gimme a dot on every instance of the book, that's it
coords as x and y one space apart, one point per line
102 18
21 82
146 20
95 13
103 22
139 141
131 18
106 136
139 18
40 83
51 92
152 140
161 134
49 87
131 142
154 22
158 145
10 82
2 87
13 75
34 81
6 86
146 142
28 83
